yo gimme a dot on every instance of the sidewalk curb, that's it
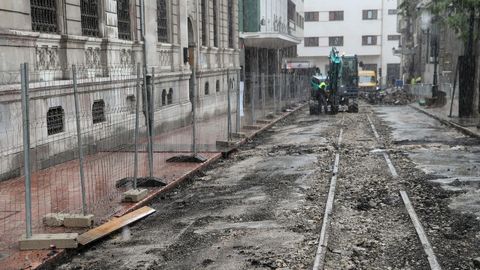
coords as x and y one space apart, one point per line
49 262
464 130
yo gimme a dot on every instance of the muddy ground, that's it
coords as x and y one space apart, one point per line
263 208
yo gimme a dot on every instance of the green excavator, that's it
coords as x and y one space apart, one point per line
338 91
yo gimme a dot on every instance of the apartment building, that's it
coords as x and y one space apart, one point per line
365 28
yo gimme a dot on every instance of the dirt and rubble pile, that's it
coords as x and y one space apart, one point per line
395 96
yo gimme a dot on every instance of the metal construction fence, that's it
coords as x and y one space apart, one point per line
425 90
70 139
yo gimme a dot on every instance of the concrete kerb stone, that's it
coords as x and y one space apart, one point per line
68 220
135 195
464 130
47 241
78 221
226 143
53 219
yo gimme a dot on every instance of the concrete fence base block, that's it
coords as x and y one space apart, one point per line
252 127
264 121
78 221
226 143
53 219
135 195
239 135
47 241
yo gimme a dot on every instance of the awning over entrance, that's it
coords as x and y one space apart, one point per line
269 40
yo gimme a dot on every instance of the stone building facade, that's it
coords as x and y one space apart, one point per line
104 39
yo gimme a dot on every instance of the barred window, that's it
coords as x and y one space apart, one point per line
162 21
89 16
215 24
204 22
98 111
55 120
170 96
44 16
230 23
123 19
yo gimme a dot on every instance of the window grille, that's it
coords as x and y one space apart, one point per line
230 23
98 111
162 21
44 16
215 24
89 16
170 96
204 22
123 19
55 120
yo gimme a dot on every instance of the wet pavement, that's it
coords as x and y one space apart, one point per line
448 156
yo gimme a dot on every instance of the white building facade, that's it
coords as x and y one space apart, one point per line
365 28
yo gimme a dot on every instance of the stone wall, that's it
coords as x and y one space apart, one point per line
100 59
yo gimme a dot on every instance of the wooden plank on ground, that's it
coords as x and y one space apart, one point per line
113 225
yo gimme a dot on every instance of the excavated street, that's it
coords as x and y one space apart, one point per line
263 208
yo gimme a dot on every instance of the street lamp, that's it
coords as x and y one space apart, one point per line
429 24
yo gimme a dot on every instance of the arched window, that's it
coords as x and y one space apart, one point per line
170 96
164 97
123 19
204 22
98 111
55 120
207 90
162 21
217 86
44 16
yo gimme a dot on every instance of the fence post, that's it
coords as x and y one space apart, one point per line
264 98
137 123
26 148
79 140
151 102
252 98
146 104
229 113
238 116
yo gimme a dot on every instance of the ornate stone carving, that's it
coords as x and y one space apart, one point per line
47 58
126 58
92 57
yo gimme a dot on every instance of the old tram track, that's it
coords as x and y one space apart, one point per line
323 242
